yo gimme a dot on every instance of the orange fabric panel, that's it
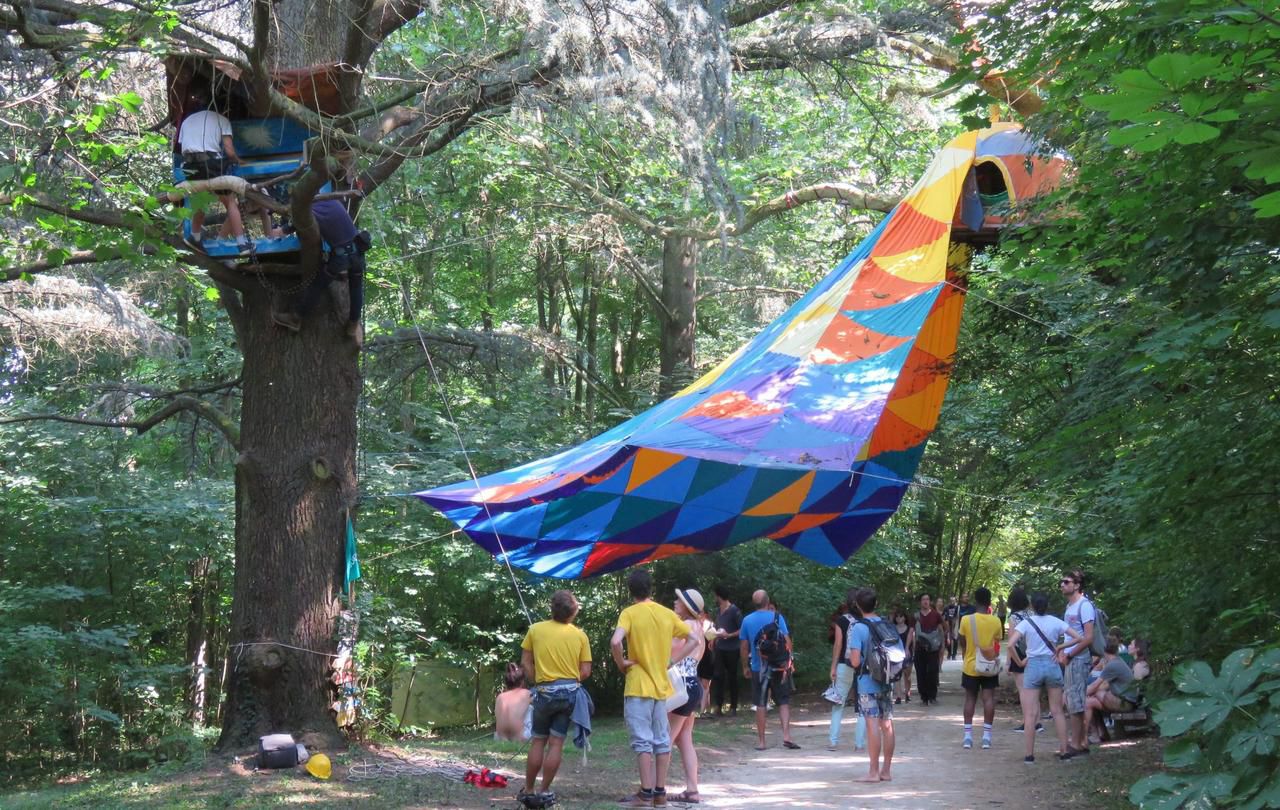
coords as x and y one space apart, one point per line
730 405
800 523
893 434
847 342
875 288
908 230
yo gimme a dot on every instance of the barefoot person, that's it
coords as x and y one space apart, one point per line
688 607
560 658
875 699
1042 634
647 630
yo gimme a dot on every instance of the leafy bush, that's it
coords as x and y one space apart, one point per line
1227 729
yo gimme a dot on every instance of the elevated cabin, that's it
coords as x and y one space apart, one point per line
1009 168
268 147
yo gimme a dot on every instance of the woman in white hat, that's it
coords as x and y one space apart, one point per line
688 606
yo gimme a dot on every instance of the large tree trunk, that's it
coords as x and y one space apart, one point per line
295 481
679 295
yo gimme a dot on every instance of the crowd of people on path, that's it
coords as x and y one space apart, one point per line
683 661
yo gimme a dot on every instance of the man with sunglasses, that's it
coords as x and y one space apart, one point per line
1076 659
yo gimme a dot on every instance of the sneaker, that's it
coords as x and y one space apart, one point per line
986 743
968 743
289 320
1022 728
1030 760
833 747
1039 728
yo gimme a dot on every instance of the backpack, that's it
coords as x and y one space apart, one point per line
931 640
1099 644
771 644
887 657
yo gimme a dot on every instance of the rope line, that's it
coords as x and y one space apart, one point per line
968 494
453 424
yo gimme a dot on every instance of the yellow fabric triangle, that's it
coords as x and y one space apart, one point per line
785 502
924 265
649 464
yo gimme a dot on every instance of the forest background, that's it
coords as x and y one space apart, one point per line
1113 405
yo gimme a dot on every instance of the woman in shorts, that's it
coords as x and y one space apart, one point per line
1043 634
689 607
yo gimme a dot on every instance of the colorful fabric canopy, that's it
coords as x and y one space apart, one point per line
808 435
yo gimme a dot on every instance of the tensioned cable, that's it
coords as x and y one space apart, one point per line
971 494
475 479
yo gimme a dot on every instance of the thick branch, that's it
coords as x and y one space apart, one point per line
213 415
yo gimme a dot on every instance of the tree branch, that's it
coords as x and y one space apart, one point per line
180 403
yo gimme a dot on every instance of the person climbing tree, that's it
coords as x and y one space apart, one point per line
343 261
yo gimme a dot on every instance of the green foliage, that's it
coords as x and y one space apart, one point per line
1226 730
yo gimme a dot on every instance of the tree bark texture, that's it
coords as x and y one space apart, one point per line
295 481
679 296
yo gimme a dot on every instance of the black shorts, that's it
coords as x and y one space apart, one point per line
706 666
972 683
694 687
204 165
778 684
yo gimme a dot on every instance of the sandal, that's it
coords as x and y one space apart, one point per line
685 797
791 745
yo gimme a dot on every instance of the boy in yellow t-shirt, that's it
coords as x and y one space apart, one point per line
556 653
648 630
988 632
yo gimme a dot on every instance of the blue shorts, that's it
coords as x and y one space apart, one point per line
1042 671
551 714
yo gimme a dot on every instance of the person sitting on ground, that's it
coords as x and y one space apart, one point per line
511 709
689 607
1114 691
208 151
1042 634
344 261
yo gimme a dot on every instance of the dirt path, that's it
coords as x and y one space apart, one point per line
930 769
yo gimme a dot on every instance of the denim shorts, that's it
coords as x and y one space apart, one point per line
551 715
876 704
694 687
1042 671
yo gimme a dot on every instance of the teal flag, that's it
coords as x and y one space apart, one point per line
353 564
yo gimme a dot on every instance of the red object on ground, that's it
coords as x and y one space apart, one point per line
485 778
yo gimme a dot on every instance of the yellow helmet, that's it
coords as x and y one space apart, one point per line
319 767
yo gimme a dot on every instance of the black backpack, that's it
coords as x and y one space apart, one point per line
771 644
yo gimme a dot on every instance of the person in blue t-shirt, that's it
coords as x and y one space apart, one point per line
766 680
875 700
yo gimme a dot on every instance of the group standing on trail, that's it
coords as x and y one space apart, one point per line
679 663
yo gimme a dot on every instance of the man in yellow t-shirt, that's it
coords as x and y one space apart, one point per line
558 657
649 630
986 641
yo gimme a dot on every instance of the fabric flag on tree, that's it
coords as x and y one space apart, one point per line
352 570
809 435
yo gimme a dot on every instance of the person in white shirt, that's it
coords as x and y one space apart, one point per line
1043 636
208 151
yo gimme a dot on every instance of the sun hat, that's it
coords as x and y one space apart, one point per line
691 599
